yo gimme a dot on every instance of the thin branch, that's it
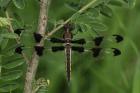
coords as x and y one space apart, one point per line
93 2
32 66
11 30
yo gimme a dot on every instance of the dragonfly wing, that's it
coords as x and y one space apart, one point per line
98 40
57 40
118 38
78 48
58 48
96 51
80 41
116 52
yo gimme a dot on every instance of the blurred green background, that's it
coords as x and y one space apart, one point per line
106 74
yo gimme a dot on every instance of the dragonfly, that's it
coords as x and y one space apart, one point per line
69 46
67 41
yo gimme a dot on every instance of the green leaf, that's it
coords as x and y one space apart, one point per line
106 11
136 78
4 43
42 89
72 6
4 22
13 64
1 39
99 26
8 87
4 3
75 16
132 3
116 3
19 3
12 75
93 12
9 35
84 27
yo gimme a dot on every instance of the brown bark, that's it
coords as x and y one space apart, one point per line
33 64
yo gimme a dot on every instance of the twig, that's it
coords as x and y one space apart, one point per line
32 66
96 2
11 30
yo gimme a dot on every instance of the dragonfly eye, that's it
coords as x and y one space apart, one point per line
37 37
96 51
116 52
19 49
98 40
39 50
18 31
118 38
68 26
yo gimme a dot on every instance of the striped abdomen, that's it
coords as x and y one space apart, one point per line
68 61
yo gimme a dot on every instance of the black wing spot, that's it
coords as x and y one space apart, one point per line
118 38
19 50
98 40
80 41
79 49
18 31
96 51
39 50
80 29
116 52
37 37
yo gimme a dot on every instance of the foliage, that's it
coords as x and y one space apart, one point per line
4 22
101 75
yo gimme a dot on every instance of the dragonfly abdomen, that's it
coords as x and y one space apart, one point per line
68 61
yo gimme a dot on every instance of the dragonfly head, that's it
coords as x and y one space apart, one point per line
68 27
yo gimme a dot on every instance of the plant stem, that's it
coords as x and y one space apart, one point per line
33 64
96 2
